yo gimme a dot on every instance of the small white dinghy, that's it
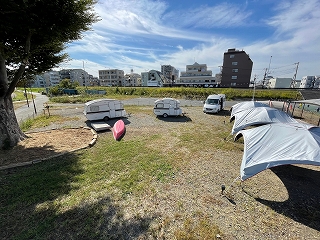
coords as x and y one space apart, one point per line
100 126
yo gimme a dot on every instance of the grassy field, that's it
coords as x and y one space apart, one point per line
175 92
161 181
76 190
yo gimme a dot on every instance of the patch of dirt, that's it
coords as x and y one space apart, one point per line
44 144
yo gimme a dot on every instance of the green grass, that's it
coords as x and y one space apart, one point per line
19 96
76 194
176 92
43 121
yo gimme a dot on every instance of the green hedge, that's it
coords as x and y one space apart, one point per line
197 93
177 92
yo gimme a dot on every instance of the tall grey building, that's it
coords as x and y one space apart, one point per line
171 73
236 69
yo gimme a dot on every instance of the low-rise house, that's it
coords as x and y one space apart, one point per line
279 82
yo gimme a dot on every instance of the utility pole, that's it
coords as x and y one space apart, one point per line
264 77
254 86
266 73
293 82
269 66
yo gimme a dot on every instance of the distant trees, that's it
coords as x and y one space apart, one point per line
63 84
33 35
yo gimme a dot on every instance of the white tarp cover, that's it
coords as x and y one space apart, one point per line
278 144
245 105
258 116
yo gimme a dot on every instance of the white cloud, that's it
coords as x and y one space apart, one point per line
223 16
297 16
145 34
295 39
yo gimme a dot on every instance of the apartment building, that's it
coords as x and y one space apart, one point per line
171 73
111 77
236 69
52 78
310 82
132 79
197 75
93 81
76 75
40 81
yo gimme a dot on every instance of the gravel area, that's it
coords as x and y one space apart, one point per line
266 206
282 203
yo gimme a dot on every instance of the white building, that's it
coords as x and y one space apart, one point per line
132 79
265 81
40 81
153 78
76 75
279 83
93 81
52 78
171 73
197 75
310 82
111 77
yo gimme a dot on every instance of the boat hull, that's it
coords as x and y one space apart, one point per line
118 130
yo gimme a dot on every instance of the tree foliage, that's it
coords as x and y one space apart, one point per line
34 33
67 84
33 36
63 84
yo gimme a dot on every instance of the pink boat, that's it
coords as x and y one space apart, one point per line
118 130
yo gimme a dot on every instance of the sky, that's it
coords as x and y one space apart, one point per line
282 37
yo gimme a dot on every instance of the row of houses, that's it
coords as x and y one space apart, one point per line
235 72
305 82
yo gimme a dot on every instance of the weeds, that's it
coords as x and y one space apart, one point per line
43 121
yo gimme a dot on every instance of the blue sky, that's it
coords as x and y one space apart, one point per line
145 34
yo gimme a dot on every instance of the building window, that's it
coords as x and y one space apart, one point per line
235 70
234 77
234 63
232 56
233 84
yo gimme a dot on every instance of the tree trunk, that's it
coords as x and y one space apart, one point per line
10 132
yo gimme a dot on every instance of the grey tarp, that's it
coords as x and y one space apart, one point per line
277 144
244 106
259 116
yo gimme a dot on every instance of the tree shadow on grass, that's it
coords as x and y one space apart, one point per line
102 219
303 204
30 207
22 189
